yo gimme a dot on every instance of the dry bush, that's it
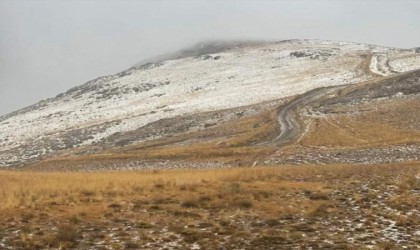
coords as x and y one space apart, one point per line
318 196
66 237
191 203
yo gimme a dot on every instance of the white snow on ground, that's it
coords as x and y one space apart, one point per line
405 63
378 65
241 76
390 61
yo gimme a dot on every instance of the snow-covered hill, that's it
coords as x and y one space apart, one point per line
233 75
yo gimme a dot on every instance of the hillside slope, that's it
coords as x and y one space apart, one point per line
241 104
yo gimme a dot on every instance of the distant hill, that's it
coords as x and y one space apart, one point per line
222 104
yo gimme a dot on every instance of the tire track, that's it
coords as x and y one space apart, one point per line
290 127
379 65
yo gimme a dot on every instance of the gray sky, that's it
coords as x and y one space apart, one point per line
47 47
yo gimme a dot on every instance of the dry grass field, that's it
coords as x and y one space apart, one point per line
323 207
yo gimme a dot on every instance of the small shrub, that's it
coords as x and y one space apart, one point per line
88 193
131 245
224 223
272 222
235 187
243 203
320 210
67 234
190 236
110 193
318 196
389 245
114 206
159 186
143 225
137 189
154 207
404 221
191 203
74 219
186 214
204 198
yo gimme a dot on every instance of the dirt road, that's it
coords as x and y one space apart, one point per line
288 117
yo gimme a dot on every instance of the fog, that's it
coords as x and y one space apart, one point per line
47 47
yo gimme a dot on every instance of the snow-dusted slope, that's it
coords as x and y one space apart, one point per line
236 76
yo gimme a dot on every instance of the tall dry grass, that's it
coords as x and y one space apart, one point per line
28 189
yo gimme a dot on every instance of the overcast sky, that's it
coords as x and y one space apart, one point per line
47 47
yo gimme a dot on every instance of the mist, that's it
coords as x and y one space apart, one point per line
47 47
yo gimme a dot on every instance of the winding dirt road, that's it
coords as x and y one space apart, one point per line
288 115
379 65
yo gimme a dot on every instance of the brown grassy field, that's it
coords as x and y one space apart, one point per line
386 123
340 206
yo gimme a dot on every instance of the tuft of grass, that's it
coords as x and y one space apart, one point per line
74 219
319 210
318 196
67 236
159 186
191 203
114 206
242 203
88 193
